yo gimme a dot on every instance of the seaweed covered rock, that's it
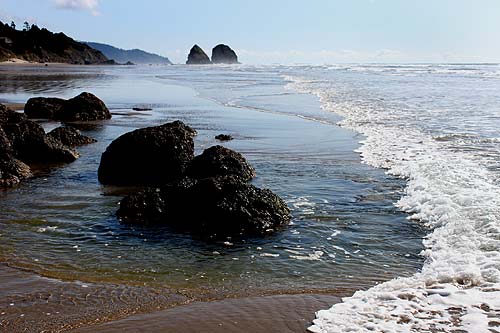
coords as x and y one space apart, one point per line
197 57
215 207
220 161
44 108
84 107
70 136
148 156
223 54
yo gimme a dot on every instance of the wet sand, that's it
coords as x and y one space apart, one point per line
30 303
284 313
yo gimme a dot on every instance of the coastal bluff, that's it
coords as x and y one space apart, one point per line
40 45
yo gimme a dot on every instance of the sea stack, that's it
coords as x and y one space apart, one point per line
197 56
223 54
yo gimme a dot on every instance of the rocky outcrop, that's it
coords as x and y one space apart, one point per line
220 161
223 54
197 57
215 207
84 107
208 195
24 142
148 156
30 144
70 136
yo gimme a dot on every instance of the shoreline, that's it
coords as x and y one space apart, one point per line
29 301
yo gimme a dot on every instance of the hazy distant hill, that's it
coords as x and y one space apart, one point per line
41 45
136 56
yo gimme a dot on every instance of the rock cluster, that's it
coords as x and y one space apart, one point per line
208 195
221 54
24 142
84 107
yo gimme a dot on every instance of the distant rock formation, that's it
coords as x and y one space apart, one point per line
41 45
223 54
197 57
128 57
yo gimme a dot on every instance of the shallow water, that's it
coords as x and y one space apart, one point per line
346 233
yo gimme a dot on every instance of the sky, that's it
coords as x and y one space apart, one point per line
280 31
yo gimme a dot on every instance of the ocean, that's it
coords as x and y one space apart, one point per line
391 172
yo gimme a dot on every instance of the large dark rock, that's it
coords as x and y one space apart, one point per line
197 56
31 145
214 207
44 108
223 54
12 171
220 161
84 107
70 136
148 156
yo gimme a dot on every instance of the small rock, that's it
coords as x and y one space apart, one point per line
224 137
142 109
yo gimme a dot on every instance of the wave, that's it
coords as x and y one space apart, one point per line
448 191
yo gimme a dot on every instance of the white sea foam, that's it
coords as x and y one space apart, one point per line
451 192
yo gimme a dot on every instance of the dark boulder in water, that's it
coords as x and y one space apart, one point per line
223 54
70 136
197 56
224 137
215 207
84 107
148 156
220 161
44 108
30 144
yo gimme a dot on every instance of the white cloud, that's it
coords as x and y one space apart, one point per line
90 5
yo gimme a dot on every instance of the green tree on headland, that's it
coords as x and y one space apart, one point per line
12 25
26 26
